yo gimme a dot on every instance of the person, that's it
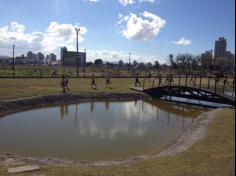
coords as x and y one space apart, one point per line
137 82
167 79
67 82
160 79
108 81
191 79
93 83
171 78
149 76
63 84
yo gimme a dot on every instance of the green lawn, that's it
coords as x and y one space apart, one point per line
17 88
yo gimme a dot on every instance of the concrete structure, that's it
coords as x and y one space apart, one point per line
30 58
68 58
20 59
39 57
206 59
52 57
223 59
220 47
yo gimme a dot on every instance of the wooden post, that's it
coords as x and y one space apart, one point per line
195 79
209 80
153 82
179 79
186 80
200 85
224 86
143 84
215 85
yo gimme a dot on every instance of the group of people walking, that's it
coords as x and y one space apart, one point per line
65 82
93 84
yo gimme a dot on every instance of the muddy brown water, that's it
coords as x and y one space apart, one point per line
93 131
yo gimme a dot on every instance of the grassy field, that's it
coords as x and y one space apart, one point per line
46 71
17 88
211 156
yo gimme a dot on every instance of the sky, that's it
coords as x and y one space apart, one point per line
111 29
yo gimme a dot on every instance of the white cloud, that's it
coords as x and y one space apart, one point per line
130 2
52 38
55 36
144 27
113 55
183 41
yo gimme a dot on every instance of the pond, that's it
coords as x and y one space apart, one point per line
92 131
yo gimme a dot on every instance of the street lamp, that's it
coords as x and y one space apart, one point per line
13 56
77 51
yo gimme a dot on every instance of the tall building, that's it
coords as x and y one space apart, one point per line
68 58
39 57
30 58
220 47
207 59
52 57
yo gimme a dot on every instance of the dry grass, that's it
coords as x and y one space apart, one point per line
17 88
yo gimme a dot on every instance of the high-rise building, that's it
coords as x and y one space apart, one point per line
207 59
39 58
30 57
52 57
68 58
220 47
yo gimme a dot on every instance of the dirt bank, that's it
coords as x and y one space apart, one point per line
21 104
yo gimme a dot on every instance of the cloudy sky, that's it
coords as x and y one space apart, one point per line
111 29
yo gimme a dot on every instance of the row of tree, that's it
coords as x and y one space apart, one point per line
182 62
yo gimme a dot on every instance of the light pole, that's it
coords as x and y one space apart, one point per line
13 57
77 50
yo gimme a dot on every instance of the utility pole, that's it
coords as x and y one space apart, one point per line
129 59
13 57
13 60
77 50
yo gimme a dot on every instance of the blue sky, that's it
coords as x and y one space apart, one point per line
111 29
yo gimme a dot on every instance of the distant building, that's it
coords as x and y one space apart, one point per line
220 47
39 57
20 59
30 58
223 59
52 57
68 58
207 59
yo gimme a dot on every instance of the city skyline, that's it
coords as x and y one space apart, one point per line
150 29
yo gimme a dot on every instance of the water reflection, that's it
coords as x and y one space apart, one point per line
95 130
63 110
128 118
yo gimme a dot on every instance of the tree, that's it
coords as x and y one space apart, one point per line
135 63
149 65
157 64
98 61
172 62
121 63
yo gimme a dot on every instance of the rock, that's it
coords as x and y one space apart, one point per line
23 169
